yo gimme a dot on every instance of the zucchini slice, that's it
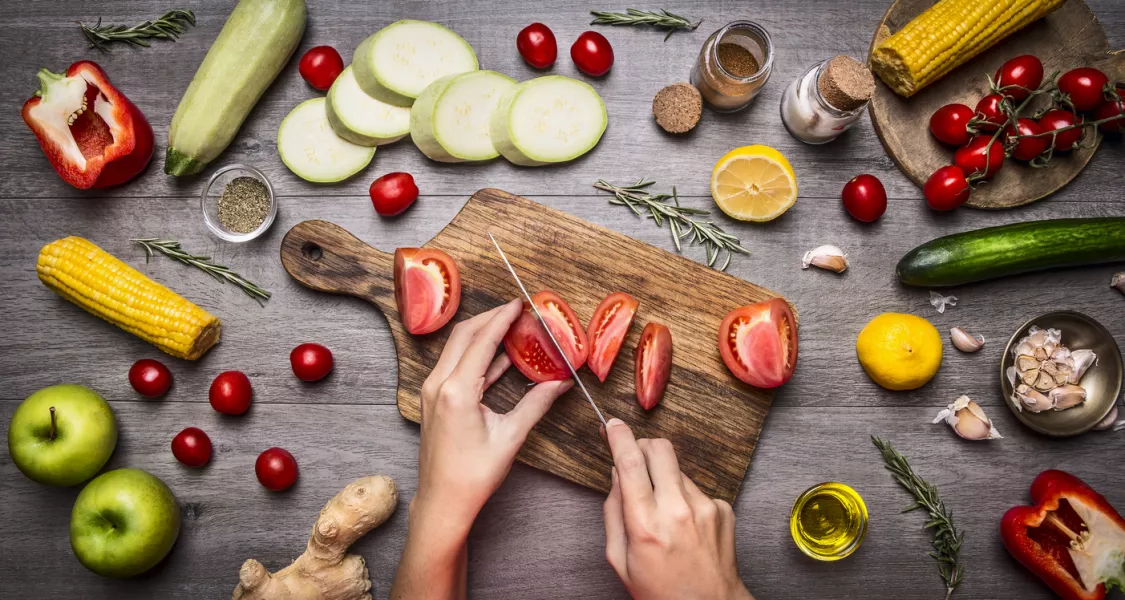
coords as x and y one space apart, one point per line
548 120
361 119
310 148
449 122
397 62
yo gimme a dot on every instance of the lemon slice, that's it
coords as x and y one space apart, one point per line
753 183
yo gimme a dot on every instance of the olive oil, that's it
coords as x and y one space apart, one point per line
828 521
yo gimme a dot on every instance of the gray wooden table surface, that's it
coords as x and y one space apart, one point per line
539 537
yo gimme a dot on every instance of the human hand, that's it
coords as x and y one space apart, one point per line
664 537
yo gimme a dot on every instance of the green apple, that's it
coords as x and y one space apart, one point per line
123 523
62 435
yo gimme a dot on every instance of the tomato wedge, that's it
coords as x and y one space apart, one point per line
427 288
607 330
759 343
654 364
531 350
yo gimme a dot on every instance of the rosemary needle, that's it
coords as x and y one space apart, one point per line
169 27
661 20
220 273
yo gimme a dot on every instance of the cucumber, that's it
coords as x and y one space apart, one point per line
397 62
361 119
310 148
1013 249
255 43
548 120
449 122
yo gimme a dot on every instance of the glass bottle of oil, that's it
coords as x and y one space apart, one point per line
828 521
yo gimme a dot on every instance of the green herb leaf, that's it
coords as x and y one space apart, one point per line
660 20
169 27
222 274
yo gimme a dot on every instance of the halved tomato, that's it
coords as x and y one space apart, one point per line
759 343
607 330
654 364
427 288
531 350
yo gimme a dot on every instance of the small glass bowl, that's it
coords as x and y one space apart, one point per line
209 202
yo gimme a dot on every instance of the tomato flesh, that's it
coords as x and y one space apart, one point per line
758 343
653 364
427 289
531 350
607 331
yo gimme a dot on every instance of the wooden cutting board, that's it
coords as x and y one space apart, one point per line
712 418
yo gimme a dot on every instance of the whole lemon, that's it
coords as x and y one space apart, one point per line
899 352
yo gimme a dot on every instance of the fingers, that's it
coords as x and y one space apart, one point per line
664 470
726 527
481 349
533 406
632 473
458 341
695 497
615 528
499 366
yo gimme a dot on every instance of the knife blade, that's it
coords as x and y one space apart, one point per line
550 335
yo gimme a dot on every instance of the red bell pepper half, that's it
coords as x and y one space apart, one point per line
92 134
1072 538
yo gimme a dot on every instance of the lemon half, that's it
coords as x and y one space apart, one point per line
753 183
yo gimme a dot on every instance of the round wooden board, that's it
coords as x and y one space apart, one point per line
1067 38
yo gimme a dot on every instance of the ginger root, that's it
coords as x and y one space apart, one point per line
325 571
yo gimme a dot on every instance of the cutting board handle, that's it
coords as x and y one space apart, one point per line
327 258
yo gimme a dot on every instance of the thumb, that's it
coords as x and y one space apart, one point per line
533 406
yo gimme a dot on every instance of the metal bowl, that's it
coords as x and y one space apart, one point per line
1102 381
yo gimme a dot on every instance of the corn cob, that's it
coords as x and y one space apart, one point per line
947 35
92 278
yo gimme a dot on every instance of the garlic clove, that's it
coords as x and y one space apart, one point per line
1033 400
1029 376
827 257
1041 353
1049 367
1061 378
1045 383
940 302
1067 396
1118 281
1037 337
1026 363
968 420
1083 360
1108 421
1023 348
1060 354
964 341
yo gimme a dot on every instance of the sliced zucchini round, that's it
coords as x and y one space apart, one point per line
397 62
310 148
361 119
548 120
449 122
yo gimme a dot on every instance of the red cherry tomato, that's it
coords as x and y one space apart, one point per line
427 288
150 378
1085 87
990 116
311 362
320 66
972 159
947 188
537 45
276 469
758 343
950 123
653 358
865 198
1112 108
607 330
230 393
1058 119
1025 72
531 350
592 54
192 447
393 193
1027 148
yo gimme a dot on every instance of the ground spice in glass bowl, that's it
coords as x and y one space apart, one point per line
238 203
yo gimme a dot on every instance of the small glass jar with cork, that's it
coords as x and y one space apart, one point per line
733 65
827 100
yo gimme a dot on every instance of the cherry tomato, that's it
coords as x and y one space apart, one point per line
537 45
150 378
1112 108
531 350
758 343
1058 119
276 469
1085 87
192 447
1027 148
607 330
427 288
393 193
311 362
972 160
947 188
230 393
865 198
990 116
592 54
320 66
1025 72
653 359
950 124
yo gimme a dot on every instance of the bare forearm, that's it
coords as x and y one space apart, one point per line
434 564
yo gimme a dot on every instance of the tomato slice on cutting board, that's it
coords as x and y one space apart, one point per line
427 288
531 350
607 330
758 343
654 364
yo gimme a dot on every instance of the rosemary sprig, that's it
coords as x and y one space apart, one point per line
639 200
169 27
947 539
661 20
220 273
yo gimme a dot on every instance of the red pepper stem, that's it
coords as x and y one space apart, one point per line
46 78
51 433
1061 527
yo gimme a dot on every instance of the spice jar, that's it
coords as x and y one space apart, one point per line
827 99
238 203
733 65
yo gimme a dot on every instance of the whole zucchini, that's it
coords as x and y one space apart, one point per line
255 43
1012 249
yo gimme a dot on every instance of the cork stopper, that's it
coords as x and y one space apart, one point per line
677 107
846 83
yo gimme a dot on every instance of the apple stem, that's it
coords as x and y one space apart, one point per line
51 435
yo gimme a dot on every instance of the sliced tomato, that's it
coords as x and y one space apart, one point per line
759 343
427 288
607 330
654 364
531 350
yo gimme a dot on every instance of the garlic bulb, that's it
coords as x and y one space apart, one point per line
1046 373
829 258
968 420
1118 281
964 341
